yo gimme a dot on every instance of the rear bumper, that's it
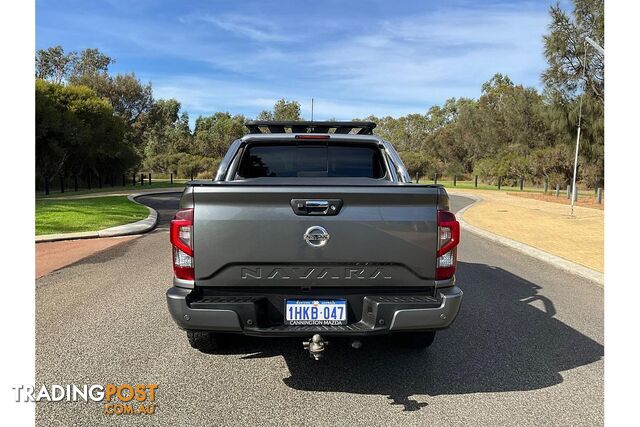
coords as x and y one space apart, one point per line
380 314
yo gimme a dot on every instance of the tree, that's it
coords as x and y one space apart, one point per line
77 133
565 52
286 110
265 115
486 169
282 110
190 165
444 140
53 65
214 133
89 119
390 129
553 163
90 62
513 166
512 116
164 127
129 97
417 163
56 66
421 165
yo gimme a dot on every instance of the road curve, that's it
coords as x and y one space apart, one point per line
526 349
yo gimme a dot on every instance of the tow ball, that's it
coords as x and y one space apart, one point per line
316 346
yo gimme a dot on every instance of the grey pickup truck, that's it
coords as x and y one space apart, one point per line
313 229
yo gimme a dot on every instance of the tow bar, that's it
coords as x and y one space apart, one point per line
315 346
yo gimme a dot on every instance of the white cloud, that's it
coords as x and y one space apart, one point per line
419 59
390 66
399 66
260 30
204 96
208 95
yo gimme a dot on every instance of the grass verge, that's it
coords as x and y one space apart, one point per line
588 196
469 185
90 214
107 188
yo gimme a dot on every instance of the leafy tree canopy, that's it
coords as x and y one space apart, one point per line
282 110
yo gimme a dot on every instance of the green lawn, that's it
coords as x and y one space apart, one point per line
90 214
160 183
470 185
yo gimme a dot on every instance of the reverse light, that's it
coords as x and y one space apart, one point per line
181 237
448 239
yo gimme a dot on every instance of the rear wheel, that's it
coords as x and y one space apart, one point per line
416 340
206 342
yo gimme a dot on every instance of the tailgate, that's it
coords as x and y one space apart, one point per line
249 235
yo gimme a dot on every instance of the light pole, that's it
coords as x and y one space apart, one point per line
575 160
595 45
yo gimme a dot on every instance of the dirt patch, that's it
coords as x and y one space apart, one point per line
51 256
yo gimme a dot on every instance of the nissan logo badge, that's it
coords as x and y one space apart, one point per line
316 236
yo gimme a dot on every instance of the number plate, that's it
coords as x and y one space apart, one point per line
315 312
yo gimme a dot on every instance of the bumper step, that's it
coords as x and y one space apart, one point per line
350 328
375 314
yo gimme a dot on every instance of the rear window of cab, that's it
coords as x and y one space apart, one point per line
334 160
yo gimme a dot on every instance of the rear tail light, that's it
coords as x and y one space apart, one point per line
181 236
448 239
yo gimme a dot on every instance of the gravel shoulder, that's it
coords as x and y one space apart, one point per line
543 225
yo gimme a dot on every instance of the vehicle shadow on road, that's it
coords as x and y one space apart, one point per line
506 338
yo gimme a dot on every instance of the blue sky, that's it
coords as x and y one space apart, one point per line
355 58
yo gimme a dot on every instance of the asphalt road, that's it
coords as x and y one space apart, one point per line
526 349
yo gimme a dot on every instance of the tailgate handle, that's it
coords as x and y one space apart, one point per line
317 204
325 207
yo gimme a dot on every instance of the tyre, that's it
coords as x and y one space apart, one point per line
206 342
415 340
